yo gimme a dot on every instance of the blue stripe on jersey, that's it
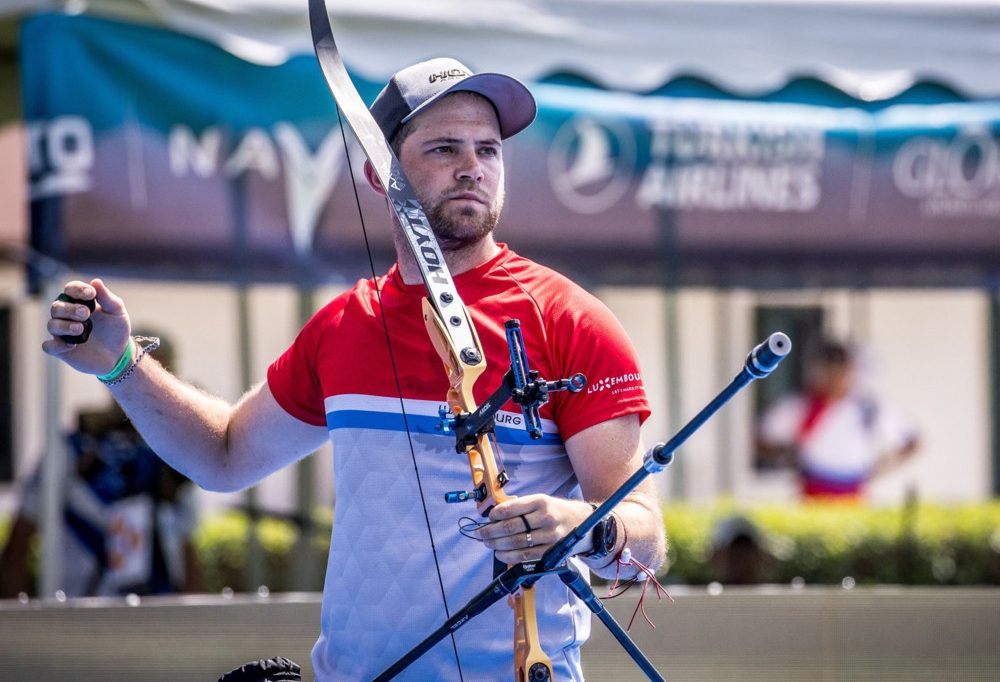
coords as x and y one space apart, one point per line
418 423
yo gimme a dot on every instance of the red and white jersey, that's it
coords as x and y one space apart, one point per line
389 582
838 442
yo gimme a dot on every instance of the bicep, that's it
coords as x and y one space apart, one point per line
266 438
606 454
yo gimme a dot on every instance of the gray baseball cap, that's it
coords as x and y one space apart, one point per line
417 87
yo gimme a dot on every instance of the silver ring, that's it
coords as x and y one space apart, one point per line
530 543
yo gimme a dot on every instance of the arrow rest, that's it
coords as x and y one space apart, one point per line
521 385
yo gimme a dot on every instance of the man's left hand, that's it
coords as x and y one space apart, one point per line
522 529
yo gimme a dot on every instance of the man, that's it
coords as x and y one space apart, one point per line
398 561
839 438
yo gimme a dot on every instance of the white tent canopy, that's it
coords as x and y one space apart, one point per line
870 49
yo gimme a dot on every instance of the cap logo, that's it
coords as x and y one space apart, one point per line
446 74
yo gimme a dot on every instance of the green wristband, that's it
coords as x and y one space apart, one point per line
124 361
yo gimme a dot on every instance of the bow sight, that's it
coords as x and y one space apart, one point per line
524 387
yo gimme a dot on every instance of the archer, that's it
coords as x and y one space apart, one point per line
364 373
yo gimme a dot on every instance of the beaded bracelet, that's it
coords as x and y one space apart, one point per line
130 359
127 356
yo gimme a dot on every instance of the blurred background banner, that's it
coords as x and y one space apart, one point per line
156 153
147 146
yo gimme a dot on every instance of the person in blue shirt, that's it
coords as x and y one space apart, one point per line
128 517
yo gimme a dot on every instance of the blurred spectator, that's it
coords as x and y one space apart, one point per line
739 555
836 435
128 517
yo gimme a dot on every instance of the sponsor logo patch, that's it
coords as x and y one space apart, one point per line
447 74
616 384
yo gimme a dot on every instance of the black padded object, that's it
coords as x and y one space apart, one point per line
88 326
277 669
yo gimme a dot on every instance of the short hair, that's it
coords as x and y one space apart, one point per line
835 352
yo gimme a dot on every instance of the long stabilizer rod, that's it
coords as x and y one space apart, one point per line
760 362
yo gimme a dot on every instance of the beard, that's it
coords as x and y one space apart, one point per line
459 226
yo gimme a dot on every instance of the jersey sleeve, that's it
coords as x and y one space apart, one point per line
293 378
592 341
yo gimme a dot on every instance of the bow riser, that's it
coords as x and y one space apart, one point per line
462 378
528 653
530 660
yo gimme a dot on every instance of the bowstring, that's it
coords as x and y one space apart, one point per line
399 387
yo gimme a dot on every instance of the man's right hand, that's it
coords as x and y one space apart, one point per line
110 334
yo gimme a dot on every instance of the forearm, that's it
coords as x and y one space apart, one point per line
184 426
604 457
187 428
219 446
640 529
190 430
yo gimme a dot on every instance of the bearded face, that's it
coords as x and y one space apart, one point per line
452 155
461 222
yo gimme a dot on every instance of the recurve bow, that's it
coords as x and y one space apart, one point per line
445 316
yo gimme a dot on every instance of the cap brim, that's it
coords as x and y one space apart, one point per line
514 103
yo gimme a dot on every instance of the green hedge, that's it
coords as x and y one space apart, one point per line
924 544
826 542
816 543
221 543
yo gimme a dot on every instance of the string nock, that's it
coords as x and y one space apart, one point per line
448 420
